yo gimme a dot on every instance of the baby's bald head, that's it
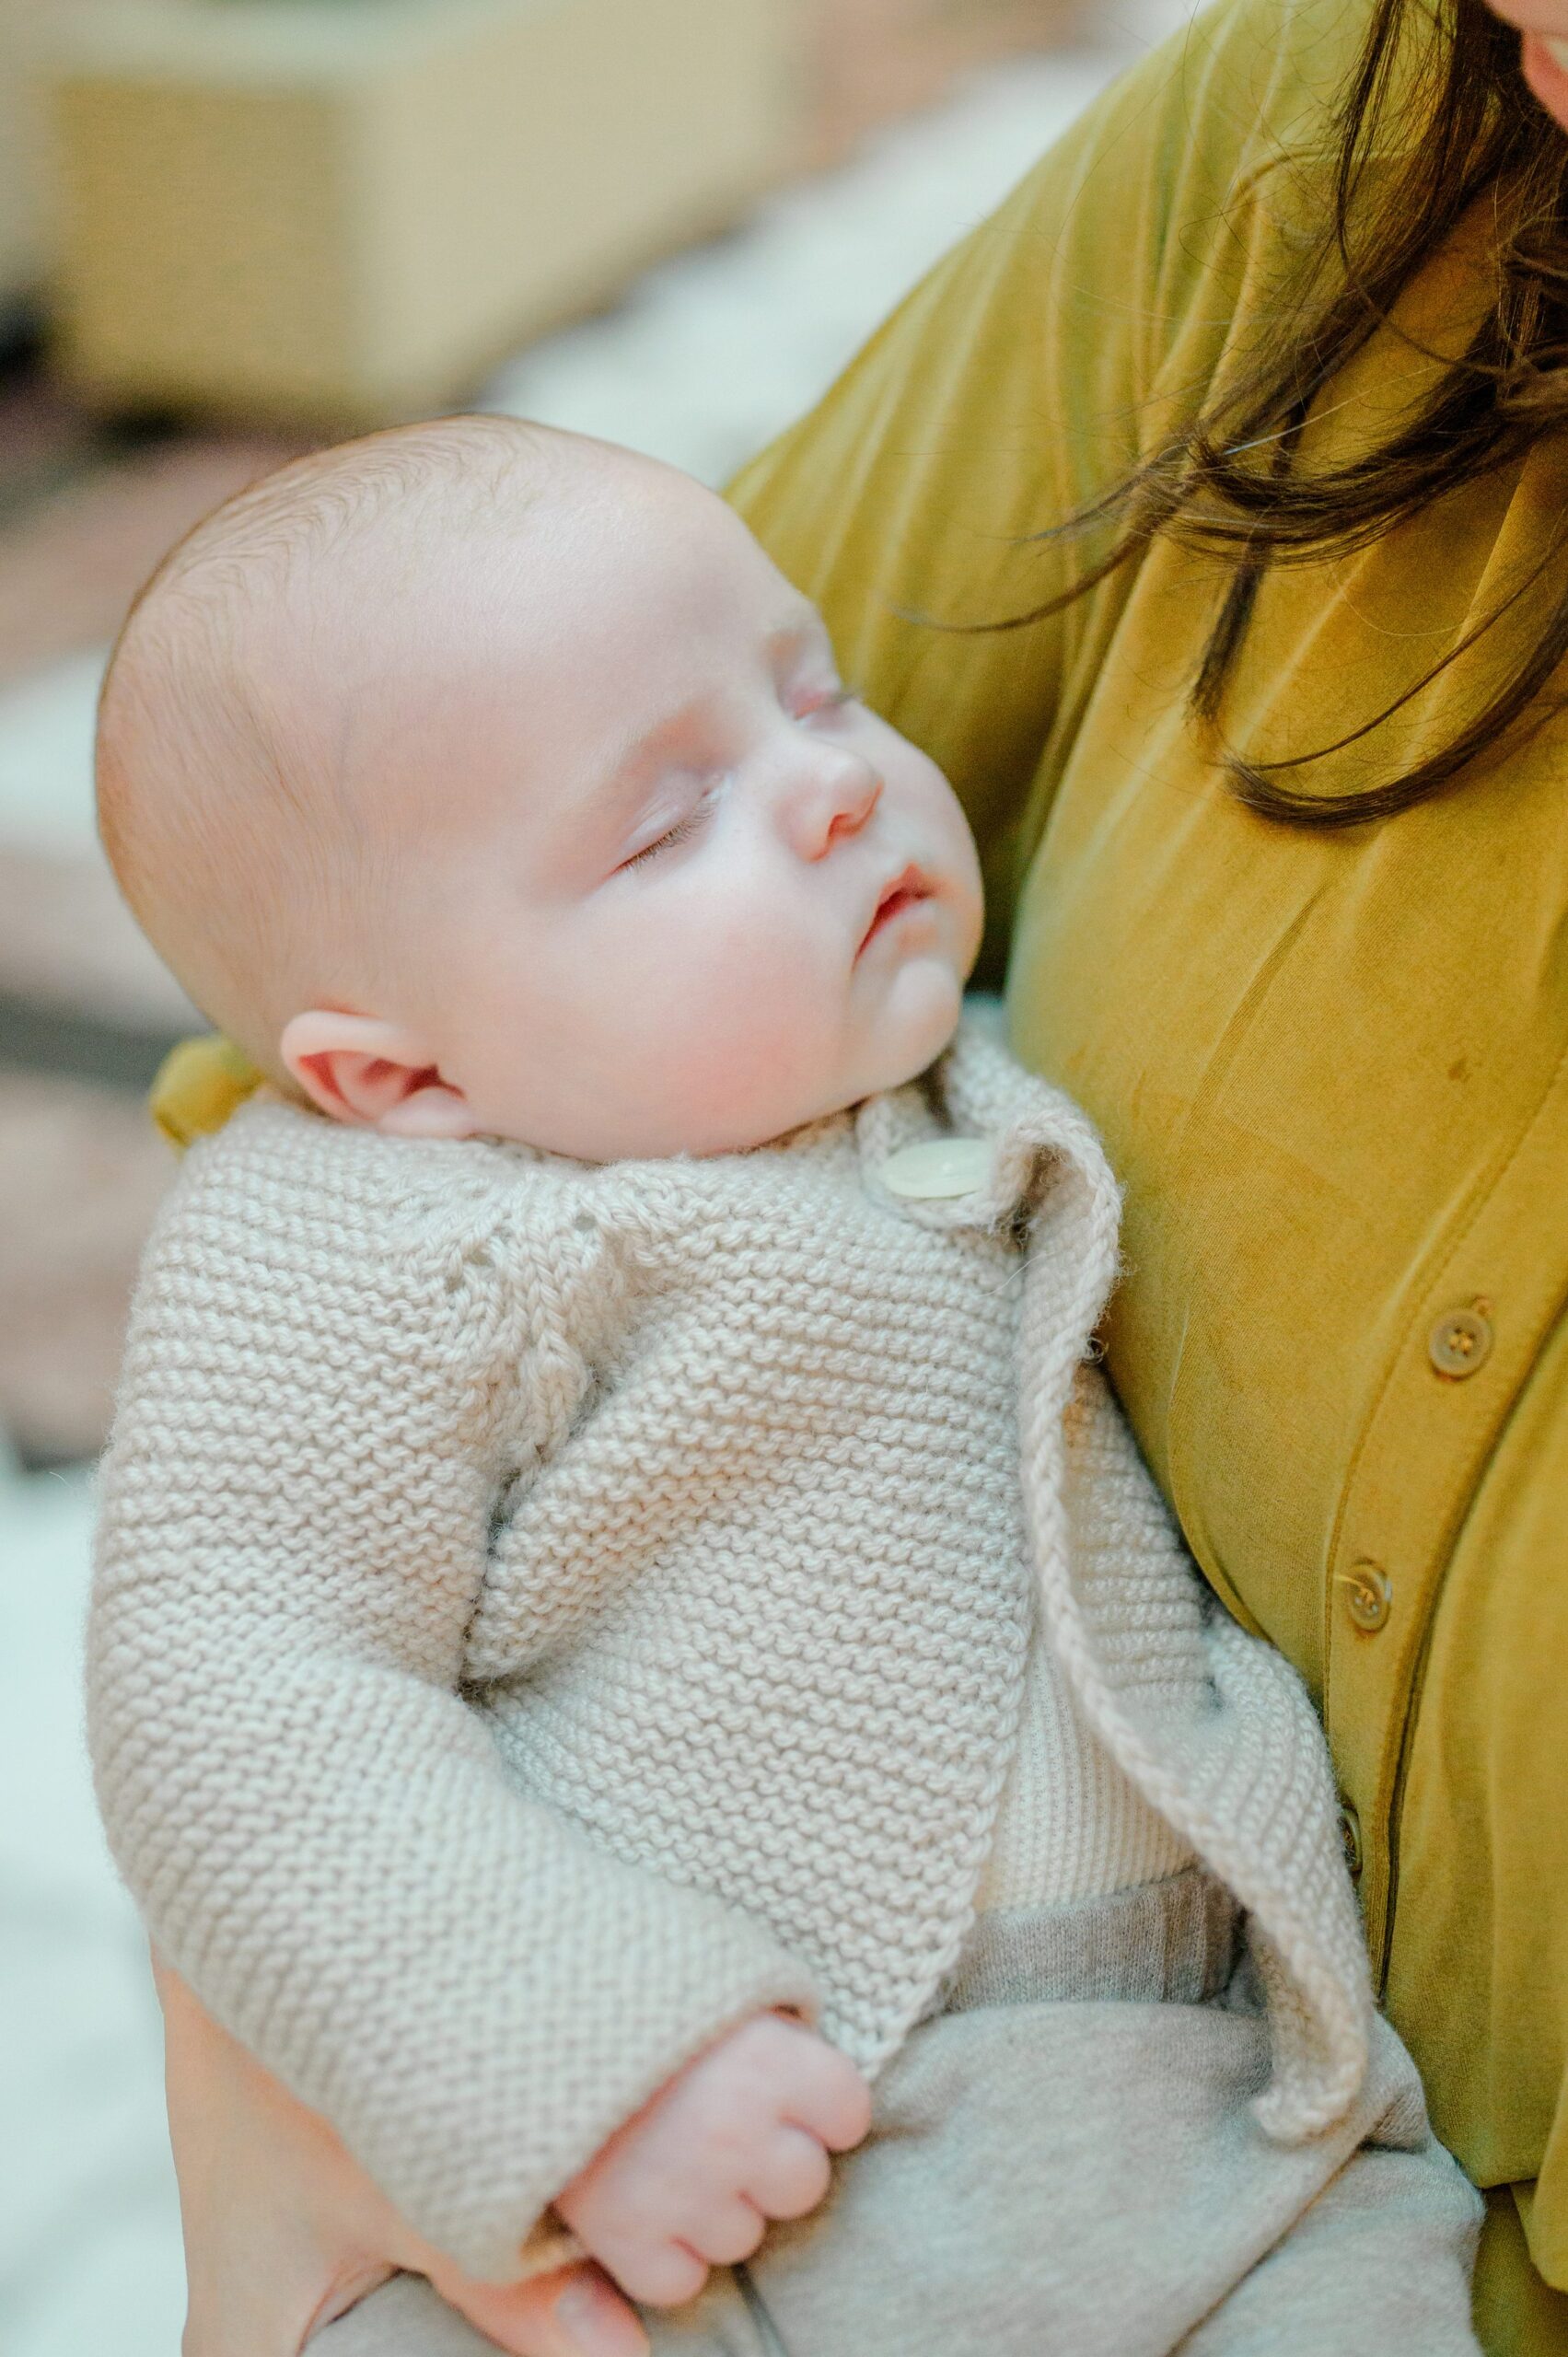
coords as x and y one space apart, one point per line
248 840
492 782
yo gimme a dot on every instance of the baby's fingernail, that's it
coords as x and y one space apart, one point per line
599 2322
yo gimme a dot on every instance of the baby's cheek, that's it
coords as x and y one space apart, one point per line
763 1028
762 1050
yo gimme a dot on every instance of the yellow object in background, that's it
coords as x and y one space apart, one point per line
349 212
199 1086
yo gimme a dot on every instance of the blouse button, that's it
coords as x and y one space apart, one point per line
941 1166
1368 1595
1460 1342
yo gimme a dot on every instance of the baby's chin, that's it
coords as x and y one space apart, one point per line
902 1038
915 1022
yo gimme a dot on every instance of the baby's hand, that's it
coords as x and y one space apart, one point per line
740 2136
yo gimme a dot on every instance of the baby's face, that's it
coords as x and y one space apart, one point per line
670 887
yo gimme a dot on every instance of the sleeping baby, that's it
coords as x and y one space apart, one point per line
634 1662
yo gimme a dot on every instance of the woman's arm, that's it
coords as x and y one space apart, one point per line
284 2232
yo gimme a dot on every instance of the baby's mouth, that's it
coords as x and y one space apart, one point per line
906 889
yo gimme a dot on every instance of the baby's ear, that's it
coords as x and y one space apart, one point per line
373 1075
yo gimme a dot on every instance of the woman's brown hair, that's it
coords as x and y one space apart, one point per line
1436 114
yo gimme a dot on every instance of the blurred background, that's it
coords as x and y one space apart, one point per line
231 230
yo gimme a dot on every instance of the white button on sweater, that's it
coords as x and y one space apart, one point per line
549 1612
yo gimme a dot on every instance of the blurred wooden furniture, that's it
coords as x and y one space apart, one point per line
346 209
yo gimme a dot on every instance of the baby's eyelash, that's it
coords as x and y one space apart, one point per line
676 834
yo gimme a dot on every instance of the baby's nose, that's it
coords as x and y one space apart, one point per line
843 791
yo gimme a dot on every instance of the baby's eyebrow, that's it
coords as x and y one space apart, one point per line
633 763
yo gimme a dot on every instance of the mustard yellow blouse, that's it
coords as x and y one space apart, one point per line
1330 1068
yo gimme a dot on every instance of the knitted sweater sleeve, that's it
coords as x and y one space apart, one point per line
325 1395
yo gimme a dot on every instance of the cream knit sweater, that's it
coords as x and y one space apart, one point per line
548 1612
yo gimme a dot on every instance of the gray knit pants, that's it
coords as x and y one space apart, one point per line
1064 2163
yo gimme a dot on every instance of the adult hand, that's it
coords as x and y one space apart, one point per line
284 2231
1544 24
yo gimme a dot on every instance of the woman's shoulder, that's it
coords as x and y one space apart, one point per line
1242 81
1124 221
1285 61
1204 166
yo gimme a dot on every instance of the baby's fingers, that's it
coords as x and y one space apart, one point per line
729 2231
661 2274
828 2097
790 2176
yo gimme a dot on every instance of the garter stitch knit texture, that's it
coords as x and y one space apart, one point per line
547 1612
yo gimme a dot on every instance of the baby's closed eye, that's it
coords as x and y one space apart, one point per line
683 829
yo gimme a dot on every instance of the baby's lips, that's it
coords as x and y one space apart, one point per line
909 885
